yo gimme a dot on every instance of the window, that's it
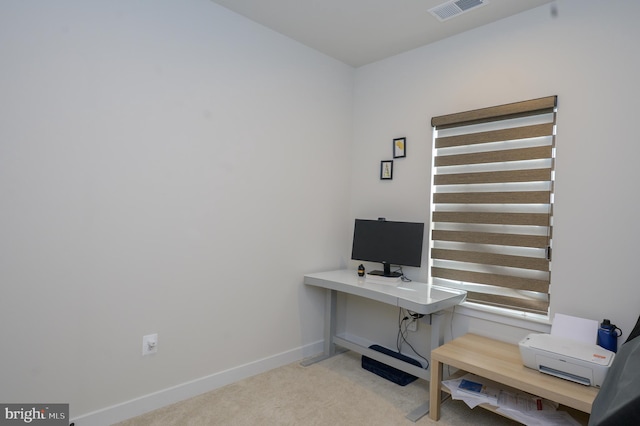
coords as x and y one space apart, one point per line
492 203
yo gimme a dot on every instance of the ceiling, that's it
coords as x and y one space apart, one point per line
358 32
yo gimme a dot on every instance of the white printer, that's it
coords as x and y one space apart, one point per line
579 362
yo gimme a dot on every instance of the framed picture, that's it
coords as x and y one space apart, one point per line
399 147
386 169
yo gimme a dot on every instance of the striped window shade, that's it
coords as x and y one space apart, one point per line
493 175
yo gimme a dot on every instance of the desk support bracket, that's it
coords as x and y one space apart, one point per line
330 304
436 320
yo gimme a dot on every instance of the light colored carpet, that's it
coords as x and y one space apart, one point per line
336 391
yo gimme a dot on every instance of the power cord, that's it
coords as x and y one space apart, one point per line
402 332
403 277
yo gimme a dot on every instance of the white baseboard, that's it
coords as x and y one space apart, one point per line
138 406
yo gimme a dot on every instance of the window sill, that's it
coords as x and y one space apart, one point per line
525 320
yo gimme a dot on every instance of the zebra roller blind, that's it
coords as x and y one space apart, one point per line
493 174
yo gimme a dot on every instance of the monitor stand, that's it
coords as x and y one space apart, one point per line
387 272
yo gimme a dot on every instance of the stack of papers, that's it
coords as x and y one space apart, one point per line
574 328
520 406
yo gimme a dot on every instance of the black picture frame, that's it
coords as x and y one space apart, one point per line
399 147
386 169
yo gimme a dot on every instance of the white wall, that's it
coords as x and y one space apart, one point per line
173 168
587 55
165 167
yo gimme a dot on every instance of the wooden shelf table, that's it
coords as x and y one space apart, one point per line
501 362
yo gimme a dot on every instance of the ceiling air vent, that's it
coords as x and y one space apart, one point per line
452 9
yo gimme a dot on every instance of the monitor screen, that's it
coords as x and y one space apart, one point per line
387 242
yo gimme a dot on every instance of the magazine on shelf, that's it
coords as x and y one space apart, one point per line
479 389
513 403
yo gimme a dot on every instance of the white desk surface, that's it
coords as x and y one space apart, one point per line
418 297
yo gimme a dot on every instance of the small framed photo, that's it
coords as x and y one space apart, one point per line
386 169
399 147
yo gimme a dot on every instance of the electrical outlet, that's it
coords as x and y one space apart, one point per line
150 344
412 325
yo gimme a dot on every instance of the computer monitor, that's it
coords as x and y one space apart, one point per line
389 243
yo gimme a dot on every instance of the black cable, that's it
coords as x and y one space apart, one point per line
417 353
400 322
414 314
402 334
403 277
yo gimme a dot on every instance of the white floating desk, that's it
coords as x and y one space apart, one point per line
418 297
